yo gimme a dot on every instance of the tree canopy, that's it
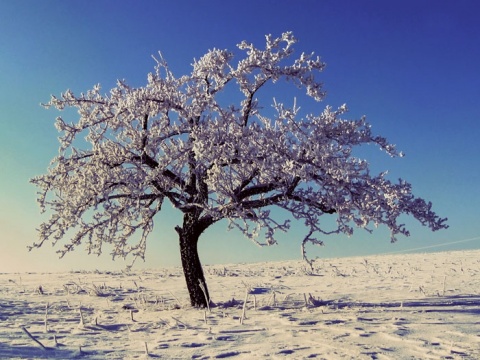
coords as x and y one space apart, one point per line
188 141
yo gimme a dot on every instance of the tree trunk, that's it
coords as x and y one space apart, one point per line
192 268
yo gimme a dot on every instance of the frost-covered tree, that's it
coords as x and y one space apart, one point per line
214 153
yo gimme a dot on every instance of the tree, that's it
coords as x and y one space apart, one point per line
175 140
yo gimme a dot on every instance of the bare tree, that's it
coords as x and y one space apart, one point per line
176 140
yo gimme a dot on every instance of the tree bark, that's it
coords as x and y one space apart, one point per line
192 268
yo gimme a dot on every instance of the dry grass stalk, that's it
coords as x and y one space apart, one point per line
33 338
244 307
82 320
202 286
46 318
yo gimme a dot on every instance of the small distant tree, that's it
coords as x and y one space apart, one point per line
183 140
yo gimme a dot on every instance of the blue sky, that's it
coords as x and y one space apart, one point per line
410 66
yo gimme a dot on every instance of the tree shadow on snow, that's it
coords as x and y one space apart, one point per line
455 303
466 303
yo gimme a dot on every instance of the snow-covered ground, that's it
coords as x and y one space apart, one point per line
415 306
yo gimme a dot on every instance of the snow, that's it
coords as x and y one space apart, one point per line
416 306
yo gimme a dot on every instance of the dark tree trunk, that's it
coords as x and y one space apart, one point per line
192 268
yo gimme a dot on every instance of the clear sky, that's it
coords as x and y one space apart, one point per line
411 66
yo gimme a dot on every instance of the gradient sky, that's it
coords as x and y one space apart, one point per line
411 66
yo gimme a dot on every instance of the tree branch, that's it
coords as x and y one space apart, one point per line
257 190
248 109
246 182
144 135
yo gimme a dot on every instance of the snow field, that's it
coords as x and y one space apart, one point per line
415 306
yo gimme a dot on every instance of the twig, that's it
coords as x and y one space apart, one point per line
178 301
313 301
274 301
179 322
33 338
